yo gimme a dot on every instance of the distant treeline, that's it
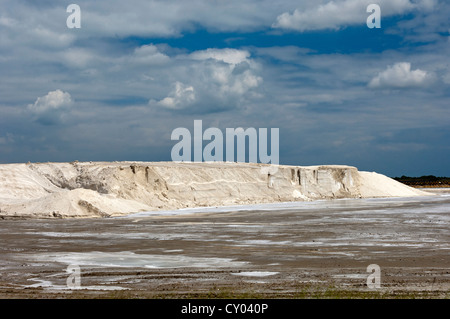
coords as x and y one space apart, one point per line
425 181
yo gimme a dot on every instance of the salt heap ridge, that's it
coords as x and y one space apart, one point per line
106 189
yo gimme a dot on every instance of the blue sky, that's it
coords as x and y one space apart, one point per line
339 92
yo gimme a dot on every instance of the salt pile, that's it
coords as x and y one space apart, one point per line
103 189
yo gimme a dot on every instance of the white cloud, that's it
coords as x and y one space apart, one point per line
149 54
336 14
400 75
235 78
230 56
211 80
180 97
53 101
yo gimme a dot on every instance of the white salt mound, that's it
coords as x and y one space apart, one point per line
104 189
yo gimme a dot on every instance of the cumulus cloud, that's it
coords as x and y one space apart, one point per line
212 80
336 14
49 109
181 96
236 76
400 75
149 54
54 100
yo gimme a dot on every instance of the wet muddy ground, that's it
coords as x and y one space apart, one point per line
300 250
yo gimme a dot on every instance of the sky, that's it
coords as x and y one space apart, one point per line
338 91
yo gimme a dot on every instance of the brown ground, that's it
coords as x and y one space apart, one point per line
319 250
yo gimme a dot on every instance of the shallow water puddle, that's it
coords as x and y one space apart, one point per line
255 273
133 260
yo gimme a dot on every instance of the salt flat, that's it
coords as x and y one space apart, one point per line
283 250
